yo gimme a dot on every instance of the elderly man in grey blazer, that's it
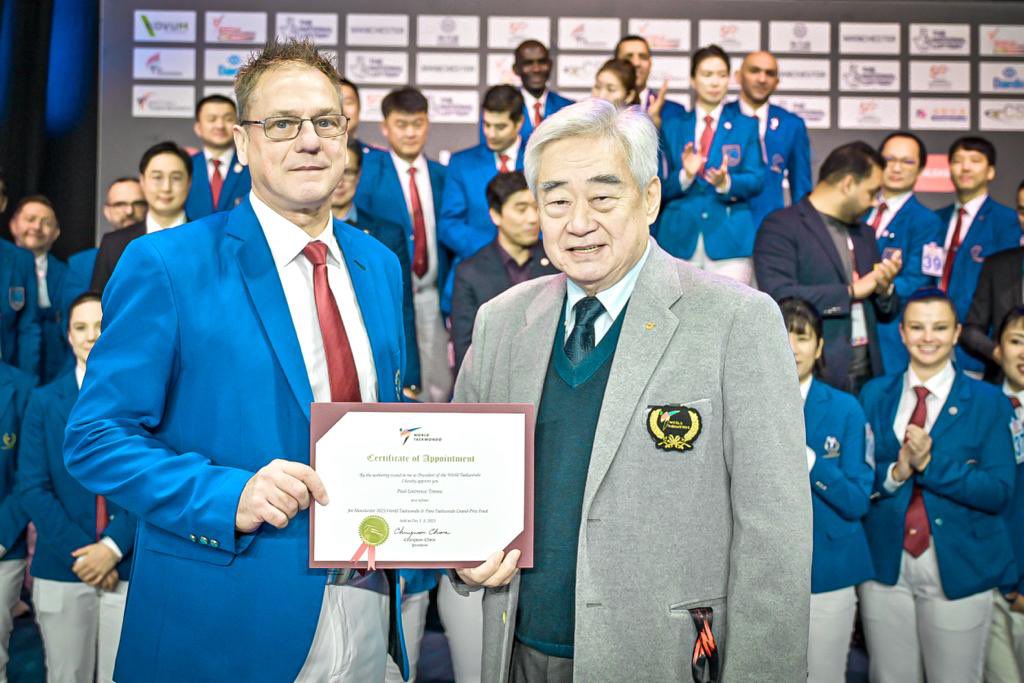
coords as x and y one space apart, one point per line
672 511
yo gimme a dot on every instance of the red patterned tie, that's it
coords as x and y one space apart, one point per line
503 158
341 367
916 532
705 141
1015 402
419 228
216 182
102 518
876 224
538 115
954 246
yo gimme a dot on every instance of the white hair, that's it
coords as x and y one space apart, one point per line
598 119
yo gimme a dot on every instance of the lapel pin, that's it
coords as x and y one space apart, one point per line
831 447
953 410
727 125
544 261
648 326
238 168
773 123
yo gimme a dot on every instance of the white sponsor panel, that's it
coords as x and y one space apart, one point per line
499 69
578 71
163 101
369 103
377 67
223 65
321 28
1001 77
663 35
448 68
815 110
682 98
731 36
805 74
1001 40
940 76
869 38
505 33
933 113
675 69
377 30
871 113
164 64
807 37
453 106
222 90
583 33
446 30
875 75
152 26
1001 114
940 39
236 27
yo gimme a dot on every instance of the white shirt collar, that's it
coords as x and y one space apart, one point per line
761 113
512 152
973 206
152 226
805 387
42 261
225 158
79 374
287 240
939 385
1009 392
615 298
895 203
403 166
715 113
530 100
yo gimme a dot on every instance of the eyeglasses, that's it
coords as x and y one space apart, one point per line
125 206
288 127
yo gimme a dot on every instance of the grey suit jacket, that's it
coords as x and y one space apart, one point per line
725 525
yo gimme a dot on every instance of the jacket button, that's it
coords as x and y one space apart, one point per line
204 540
192 537
704 215
214 543
938 521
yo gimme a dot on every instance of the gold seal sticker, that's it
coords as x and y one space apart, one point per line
673 428
373 530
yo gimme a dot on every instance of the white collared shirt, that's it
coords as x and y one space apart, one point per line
614 299
938 386
972 207
892 207
647 98
427 205
805 387
530 100
42 265
512 153
286 241
716 116
152 226
225 162
1019 396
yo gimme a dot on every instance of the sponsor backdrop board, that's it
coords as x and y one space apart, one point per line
854 70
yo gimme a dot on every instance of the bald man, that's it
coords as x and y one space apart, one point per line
784 142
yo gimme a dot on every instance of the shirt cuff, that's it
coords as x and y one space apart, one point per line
109 542
891 485
685 182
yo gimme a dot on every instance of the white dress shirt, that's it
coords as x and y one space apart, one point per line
938 386
892 207
152 226
512 153
1018 395
286 241
972 207
225 162
716 115
402 167
805 388
42 265
106 540
530 100
614 299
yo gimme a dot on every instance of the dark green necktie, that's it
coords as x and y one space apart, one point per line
581 341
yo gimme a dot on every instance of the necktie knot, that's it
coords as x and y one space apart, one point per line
503 158
1015 402
708 120
962 212
882 206
588 309
412 171
316 252
922 392
216 164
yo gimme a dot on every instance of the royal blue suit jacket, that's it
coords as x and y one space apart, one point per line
994 229
15 389
724 218
1014 517
63 511
913 226
55 356
787 154
20 334
237 184
966 487
841 482
552 104
196 383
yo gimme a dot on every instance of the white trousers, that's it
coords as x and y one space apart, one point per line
12 575
463 620
81 627
1005 660
828 646
913 630
436 377
414 620
739 269
351 640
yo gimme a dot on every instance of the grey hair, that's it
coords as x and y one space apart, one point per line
594 118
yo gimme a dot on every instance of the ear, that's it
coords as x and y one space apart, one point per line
652 199
990 176
241 144
495 217
195 128
956 337
820 349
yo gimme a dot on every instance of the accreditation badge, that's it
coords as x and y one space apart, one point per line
733 154
831 447
673 427
1017 430
16 298
933 258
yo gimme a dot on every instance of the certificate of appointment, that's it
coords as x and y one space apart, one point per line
421 484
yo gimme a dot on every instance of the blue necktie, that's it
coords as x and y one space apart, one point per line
581 340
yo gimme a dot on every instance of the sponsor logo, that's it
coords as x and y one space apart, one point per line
1009 113
808 112
1008 79
661 39
799 42
318 28
930 39
942 114
163 101
228 32
867 76
869 38
156 28
938 77
234 63
1001 45
375 68
453 106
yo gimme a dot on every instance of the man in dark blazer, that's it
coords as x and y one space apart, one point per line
1000 290
219 180
817 250
516 255
165 173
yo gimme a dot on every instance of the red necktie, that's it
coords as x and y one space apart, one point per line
538 115
216 182
876 224
341 367
102 518
1015 402
503 158
705 141
916 532
419 228
954 246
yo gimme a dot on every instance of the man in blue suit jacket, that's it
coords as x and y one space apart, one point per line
637 51
901 222
785 146
465 224
20 334
194 413
219 179
533 66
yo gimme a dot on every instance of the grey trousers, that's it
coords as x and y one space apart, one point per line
532 666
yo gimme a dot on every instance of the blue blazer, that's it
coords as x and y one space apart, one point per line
913 226
55 352
966 487
841 481
994 229
20 334
77 278
196 383
15 389
725 219
553 103
63 511
788 155
1014 517
237 184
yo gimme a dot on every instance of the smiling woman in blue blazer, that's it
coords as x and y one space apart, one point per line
840 462
944 476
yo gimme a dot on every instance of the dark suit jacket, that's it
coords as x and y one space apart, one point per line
998 292
479 279
794 256
111 247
